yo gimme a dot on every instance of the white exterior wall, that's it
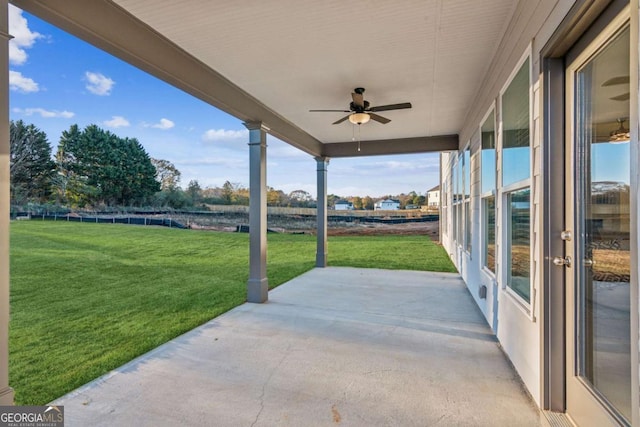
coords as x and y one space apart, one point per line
343 207
433 198
386 205
518 328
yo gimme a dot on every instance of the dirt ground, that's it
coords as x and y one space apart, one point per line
430 229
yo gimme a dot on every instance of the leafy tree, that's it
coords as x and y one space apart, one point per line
300 198
357 202
419 200
276 197
105 168
30 165
176 199
193 192
71 183
167 174
332 199
241 196
227 193
367 203
231 193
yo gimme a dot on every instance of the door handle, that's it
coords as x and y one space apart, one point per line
560 261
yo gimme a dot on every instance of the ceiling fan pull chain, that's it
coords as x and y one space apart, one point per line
358 138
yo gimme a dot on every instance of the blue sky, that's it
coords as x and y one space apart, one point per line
57 80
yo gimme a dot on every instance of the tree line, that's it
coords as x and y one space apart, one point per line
91 167
94 168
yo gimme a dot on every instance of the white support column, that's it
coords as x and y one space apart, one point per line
6 393
258 285
321 252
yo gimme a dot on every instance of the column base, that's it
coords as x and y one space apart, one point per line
321 260
6 397
258 290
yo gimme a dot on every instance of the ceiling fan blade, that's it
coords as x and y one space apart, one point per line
378 118
329 111
623 97
358 99
619 80
337 122
401 106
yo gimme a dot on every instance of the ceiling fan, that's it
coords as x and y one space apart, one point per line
361 112
615 81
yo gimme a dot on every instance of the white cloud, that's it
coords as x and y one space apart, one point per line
98 84
224 135
116 122
21 83
164 124
224 162
47 114
284 151
23 37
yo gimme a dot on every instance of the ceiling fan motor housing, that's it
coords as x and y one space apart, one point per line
357 108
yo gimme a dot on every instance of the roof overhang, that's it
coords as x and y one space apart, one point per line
264 65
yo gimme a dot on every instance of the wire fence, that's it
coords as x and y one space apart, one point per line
134 220
238 220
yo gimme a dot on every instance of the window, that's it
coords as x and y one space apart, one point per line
515 128
466 178
444 205
488 191
460 200
489 236
456 199
515 179
519 211
459 206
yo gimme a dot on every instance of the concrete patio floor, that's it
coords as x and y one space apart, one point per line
335 346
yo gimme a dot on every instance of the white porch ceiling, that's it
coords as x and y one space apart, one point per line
294 55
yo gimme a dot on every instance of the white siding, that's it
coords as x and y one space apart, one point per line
518 328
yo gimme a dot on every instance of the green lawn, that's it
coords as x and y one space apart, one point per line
87 298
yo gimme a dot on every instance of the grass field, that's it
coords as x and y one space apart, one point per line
86 298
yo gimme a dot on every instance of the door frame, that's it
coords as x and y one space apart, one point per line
585 20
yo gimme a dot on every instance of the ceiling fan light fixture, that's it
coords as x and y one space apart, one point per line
359 118
620 135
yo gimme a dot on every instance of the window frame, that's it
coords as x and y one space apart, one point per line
467 220
455 199
444 204
484 233
503 191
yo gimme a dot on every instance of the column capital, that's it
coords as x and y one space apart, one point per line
323 159
256 126
257 133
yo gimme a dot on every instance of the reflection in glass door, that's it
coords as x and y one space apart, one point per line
599 371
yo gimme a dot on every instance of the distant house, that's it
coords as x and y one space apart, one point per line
387 205
343 205
433 197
